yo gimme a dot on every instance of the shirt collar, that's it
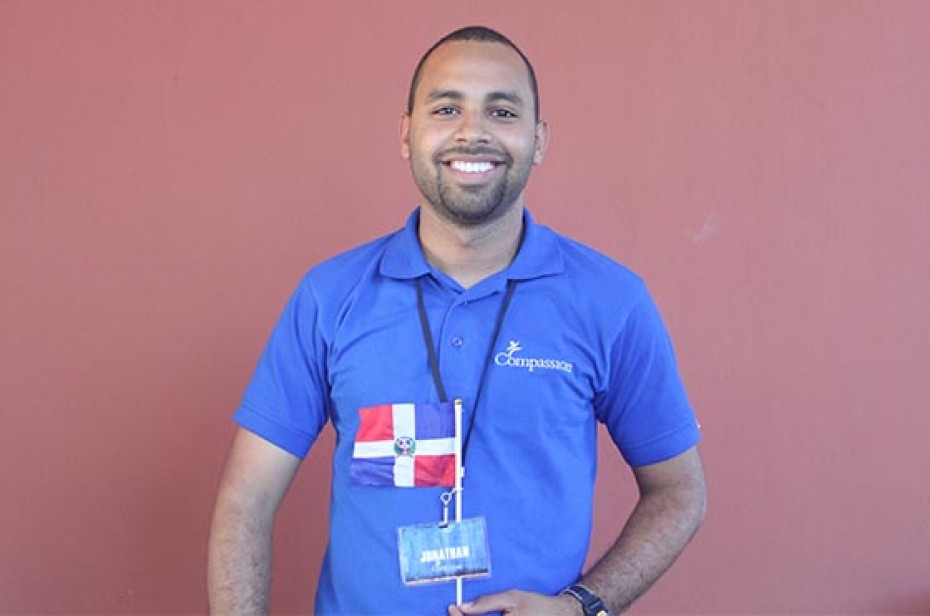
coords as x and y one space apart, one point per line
539 253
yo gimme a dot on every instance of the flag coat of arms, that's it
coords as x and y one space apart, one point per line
405 445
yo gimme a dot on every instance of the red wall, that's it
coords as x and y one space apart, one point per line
169 169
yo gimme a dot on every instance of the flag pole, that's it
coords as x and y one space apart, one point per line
459 472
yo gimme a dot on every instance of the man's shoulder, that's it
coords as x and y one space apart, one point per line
590 266
336 275
357 258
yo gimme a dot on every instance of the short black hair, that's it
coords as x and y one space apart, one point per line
480 34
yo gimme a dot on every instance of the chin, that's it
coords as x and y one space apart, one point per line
475 217
475 212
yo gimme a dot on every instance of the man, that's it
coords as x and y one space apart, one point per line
539 337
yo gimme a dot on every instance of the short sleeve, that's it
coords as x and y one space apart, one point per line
285 402
645 406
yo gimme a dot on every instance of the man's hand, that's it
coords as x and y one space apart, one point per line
520 603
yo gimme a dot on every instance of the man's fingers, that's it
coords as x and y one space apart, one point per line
519 603
498 602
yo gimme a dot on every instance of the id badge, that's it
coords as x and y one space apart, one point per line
441 552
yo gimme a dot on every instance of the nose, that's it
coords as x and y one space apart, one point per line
472 128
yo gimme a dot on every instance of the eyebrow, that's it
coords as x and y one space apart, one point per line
510 97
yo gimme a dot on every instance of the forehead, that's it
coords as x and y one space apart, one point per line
474 67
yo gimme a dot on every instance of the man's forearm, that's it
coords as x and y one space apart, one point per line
239 570
672 501
660 527
255 479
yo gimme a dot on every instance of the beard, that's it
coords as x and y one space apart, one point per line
470 206
473 205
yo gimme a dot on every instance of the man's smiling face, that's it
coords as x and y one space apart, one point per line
471 135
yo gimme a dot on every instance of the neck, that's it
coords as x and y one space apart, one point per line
470 254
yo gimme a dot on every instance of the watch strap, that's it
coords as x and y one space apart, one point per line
591 604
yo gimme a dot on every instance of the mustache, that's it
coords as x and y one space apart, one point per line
478 150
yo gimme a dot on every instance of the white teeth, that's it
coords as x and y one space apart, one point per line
470 167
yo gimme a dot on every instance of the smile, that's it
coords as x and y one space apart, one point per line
471 166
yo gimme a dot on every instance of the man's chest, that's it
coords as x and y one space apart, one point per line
541 372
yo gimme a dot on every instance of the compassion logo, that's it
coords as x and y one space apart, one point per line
508 359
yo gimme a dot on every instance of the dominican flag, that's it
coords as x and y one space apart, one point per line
405 445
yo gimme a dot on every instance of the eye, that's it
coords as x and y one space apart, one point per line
445 111
503 113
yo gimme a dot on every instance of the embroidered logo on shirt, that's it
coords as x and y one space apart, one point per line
509 359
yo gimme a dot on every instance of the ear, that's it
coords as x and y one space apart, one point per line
405 135
542 141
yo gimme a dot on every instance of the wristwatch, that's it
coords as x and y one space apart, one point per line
590 603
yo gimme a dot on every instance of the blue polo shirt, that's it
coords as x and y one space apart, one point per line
581 343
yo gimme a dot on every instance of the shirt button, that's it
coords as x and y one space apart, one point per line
457 341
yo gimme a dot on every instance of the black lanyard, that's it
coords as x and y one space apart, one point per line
434 361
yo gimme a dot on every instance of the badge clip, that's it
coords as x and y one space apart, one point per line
446 498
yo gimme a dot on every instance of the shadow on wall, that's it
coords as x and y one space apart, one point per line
905 606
